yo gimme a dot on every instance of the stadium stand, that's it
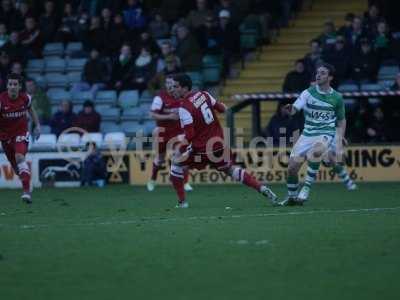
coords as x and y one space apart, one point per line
266 43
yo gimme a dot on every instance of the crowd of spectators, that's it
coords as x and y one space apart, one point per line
356 50
130 44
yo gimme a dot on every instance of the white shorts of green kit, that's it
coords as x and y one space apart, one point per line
305 144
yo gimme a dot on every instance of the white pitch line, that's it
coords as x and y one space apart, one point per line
195 218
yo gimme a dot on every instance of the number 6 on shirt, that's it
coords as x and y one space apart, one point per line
207 113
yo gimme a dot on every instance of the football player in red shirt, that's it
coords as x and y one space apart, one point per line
204 141
164 110
15 106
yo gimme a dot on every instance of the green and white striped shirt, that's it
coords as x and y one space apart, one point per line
321 111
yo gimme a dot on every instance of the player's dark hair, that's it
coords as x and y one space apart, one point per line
329 67
184 80
14 76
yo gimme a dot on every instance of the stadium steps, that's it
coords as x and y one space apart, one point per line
267 72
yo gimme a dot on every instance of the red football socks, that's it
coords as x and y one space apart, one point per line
178 183
154 171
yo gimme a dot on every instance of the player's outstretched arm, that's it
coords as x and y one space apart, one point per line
164 117
220 107
36 123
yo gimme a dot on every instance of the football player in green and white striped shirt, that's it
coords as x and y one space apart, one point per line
324 130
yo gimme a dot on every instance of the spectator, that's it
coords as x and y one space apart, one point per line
63 118
296 80
188 50
228 38
4 69
365 63
67 31
116 36
382 41
134 17
207 36
328 37
167 50
158 28
228 5
31 39
82 25
122 70
147 41
377 129
340 58
346 29
359 123
95 35
94 76
24 11
13 48
94 170
171 67
396 84
106 19
48 22
8 15
198 16
313 58
3 35
355 34
371 19
16 68
40 101
282 125
143 70
88 119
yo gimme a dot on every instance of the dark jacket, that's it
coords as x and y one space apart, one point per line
89 122
61 121
95 71
296 82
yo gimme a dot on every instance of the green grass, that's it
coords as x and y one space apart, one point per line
122 242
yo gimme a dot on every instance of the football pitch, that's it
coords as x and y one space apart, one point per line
122 242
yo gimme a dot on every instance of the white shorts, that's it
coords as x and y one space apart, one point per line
305 144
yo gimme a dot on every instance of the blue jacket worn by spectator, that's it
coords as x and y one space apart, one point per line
62 119
94 171
133 16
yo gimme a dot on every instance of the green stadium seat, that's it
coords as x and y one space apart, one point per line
53 49
35 66
81 96
128 98
132 114
106 97
54 64
76 64
56 80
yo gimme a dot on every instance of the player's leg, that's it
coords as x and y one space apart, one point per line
241 175
314 157
296 160
222 161
339 168
292 181
158 162
21 148
179 165
9 151
160 142
187 186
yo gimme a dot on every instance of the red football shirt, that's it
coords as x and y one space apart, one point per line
14 115
164 104
197 113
